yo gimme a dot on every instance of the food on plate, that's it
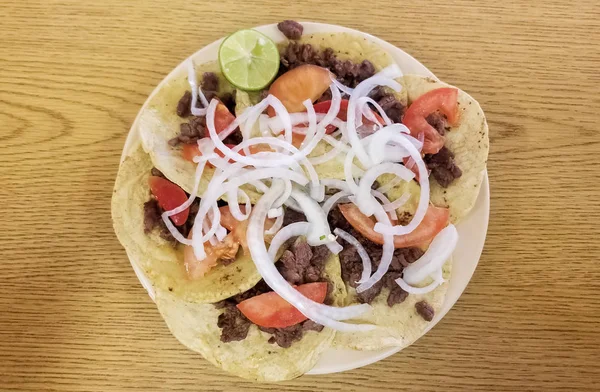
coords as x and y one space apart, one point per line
296 196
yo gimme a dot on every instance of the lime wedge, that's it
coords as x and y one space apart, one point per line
249 59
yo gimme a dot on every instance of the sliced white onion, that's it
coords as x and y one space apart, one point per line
348 172
381 138
283 115
399 202
334 247
265 265
345 89
361 90
335 183
390 184
368 113
364 199
385 204
312 121
193 81
333 200
435 256
319 232
285 196
364 256
292 230
417 290
275 212
386 256
276 225
234 207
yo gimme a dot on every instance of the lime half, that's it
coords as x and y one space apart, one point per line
249 59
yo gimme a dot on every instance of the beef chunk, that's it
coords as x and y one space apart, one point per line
442 166
438 121
396 295
291 29
189 133
234 138
392 107
292 216
234 325
365 70
289 269
302 264
210 81
184 104
310 325
367 296
156 173
284 337
151 215
425 310
389 103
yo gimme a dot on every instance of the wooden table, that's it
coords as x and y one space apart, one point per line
73 75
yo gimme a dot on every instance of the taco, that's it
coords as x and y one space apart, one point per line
137 222
223 334
340 149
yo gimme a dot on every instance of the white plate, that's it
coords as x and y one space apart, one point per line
472 230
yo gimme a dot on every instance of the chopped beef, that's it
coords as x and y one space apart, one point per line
228 100
210 81
291 29
234 325
392 107
284 337
310 325
292 216
302 264
189 133
425 310
389 103
438 121
156 173
442 166
347 72
352 268
367 296
234 138
184 105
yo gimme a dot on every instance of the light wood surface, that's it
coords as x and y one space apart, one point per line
73 75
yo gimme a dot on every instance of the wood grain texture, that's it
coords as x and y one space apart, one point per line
73 76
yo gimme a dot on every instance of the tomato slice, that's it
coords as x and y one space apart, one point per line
269 310
238 229
169 196
299 84
223 117
443 99
434 221
227 249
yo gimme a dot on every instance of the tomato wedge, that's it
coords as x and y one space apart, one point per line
443 99
169 196
269 310
299 84
226 249
434 221
223 117
238 229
